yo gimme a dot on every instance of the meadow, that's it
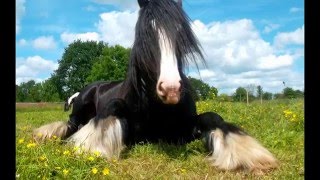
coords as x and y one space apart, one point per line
276 124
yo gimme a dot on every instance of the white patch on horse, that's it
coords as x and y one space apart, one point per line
168 85
104 136
169 73
72 97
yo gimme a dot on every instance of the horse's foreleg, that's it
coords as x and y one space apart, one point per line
231 148
105 133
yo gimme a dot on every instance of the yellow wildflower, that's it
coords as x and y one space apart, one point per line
105 171
67 152
42 158
65 171
97 153
91 158
39 135
94 170
20 141
76 148
30 145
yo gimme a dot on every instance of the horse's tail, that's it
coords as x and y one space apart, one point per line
58 129
70 100
232 148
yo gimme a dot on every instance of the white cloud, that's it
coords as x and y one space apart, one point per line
118 27
125 4
295 9
44 42
237 56
71 37
272 62
33 67
22 42
287 38
270 27
20 11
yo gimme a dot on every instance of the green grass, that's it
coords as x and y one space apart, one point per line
278 125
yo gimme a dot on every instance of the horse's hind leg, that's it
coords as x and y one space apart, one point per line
231 148
106 132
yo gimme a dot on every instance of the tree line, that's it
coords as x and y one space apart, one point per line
89 61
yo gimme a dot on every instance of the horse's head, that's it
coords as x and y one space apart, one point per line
164 41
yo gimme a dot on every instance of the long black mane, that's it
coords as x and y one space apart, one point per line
167 17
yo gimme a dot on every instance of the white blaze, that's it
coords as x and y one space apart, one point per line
169 73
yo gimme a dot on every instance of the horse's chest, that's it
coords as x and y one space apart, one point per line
165 124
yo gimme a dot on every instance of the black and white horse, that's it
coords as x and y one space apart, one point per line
154 101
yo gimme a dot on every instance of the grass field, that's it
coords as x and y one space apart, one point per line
278 125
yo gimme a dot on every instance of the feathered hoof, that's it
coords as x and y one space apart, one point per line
239 151
55 129
105 137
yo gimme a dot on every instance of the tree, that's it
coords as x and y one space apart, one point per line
49 92
289 93
111 65
260 93
75 66
23 91
267 96
240 94
201 90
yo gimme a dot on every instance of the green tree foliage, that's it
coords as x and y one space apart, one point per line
28 92
259 91
267 96
37 92
111 65
291 93
201 90
49 92
75 66
240 94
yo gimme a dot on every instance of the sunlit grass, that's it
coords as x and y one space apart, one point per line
278 125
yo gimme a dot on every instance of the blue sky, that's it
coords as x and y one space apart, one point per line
247 42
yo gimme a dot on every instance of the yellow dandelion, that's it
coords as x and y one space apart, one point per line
76 148
54 137
97 153
39 135
91 158
106 171
183 170
30 145
67 152
42 158
94 170
20 141
65 171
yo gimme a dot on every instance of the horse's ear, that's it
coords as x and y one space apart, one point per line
179 2
143 3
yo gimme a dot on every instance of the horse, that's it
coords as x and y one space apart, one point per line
154 103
